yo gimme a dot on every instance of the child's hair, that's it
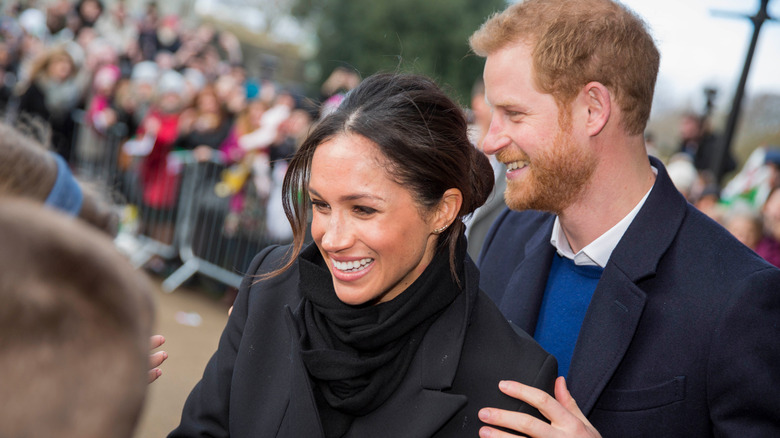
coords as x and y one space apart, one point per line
75 323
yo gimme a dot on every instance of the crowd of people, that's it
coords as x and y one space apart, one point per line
152 85
605 301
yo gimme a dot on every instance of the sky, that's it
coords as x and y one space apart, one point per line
700 49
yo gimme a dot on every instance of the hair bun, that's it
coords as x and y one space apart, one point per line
482 179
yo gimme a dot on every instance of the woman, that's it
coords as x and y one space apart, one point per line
51 94
204 127
378 328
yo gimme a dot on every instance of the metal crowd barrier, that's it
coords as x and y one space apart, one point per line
183 208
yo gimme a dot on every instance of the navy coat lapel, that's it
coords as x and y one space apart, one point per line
525 289
606 333
618 301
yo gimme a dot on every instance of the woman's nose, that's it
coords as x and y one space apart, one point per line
337 234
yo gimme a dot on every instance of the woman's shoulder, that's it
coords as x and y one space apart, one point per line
282 286
489 329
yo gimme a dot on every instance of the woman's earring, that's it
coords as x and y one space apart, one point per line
439 230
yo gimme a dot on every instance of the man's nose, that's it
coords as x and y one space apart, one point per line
495 139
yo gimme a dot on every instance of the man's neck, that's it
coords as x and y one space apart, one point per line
614 190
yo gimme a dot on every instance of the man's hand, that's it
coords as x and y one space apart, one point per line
565 416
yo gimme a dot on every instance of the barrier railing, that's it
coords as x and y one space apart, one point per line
179 207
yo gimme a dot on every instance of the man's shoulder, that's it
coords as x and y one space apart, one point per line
710 255
516 227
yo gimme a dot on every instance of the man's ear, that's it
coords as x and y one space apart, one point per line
448 208
598 102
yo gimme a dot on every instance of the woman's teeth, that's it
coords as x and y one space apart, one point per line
354 266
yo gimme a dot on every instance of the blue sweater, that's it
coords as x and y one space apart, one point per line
566 298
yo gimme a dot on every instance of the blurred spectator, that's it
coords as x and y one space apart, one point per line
71 303
117 29
708 202
701 144
650 145
205 126
478 224
772 161
335 87
7 73
745 225
100 114
147 33
683 174
87 14
29 170
159 172
769 247
50 94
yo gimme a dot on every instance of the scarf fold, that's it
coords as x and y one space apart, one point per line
358 355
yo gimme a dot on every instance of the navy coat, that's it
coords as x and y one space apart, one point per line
682 335
256 384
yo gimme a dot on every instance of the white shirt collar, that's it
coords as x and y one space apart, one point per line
596 253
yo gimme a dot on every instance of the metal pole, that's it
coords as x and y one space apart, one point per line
724 145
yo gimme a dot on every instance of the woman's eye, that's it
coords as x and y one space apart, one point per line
364 210
319 205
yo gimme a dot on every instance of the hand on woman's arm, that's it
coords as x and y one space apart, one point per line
566 419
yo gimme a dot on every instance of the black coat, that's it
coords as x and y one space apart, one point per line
682 335
256 385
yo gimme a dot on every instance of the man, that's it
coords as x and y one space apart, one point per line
662 323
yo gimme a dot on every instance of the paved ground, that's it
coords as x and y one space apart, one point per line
189 348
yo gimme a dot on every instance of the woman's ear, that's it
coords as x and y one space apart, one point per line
448 209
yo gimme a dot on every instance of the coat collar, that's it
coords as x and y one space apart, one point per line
430 375
520 304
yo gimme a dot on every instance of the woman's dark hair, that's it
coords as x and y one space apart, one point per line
421 133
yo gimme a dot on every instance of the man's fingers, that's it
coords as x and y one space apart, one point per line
548 406
564 397
515 421
489 432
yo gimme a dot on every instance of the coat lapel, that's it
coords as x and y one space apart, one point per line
302 417
421 406
607 330
525 289
616 308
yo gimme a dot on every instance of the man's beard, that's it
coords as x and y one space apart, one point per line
554 178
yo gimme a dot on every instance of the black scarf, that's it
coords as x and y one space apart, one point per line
358 355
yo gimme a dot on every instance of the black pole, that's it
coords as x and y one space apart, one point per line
724 145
